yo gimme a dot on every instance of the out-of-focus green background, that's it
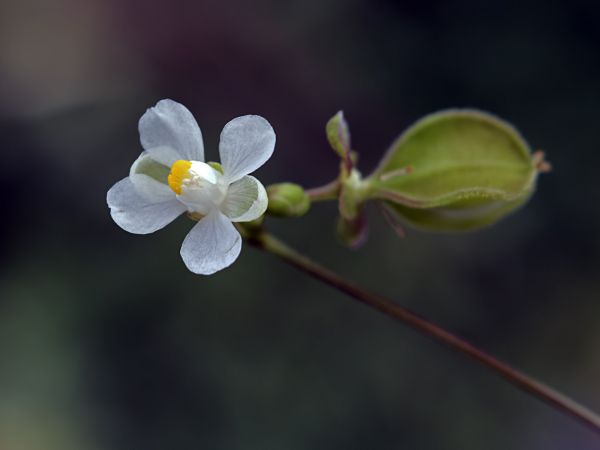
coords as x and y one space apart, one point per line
108 342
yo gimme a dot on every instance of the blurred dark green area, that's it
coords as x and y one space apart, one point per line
107 342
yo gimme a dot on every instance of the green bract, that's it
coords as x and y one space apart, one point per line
455 170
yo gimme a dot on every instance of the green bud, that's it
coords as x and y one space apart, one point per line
338 135
287 200
456 170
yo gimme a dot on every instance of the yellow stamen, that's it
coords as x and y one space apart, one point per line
179 172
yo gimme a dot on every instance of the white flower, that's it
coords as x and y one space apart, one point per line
170 177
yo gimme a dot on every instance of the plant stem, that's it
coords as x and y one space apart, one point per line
543 392
328 191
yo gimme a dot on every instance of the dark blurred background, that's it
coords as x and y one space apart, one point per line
108 342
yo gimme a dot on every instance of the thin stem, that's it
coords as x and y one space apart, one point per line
328 191
543 392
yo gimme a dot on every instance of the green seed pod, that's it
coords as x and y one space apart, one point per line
287 200
456 170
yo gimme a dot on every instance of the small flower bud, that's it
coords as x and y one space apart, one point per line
338 135
287 200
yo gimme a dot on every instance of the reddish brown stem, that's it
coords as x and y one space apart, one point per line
528 384
328 191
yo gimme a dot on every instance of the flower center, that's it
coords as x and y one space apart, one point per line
197 185
179 173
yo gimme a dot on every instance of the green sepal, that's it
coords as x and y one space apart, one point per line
464 215
217 166
255 224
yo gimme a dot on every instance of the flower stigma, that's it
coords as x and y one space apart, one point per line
197 185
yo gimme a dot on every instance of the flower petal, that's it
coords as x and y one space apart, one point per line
135 213
164 155
211 245
150 179
247 142
246 200
169 132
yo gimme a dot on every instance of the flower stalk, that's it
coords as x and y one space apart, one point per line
541 391
329 191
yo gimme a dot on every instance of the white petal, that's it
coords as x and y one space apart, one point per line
165 155
246 144
246 200
211 245
136 214
169 132
150 179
